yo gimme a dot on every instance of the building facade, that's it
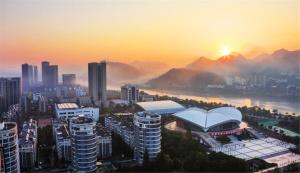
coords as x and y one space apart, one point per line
9 147
69 79
121 124
147 135
10 92
104 142
62 138
97 82
69 110
49 74
27 77
84 144
130 93
28 145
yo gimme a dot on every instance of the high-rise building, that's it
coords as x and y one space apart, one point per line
52 75
97 82
69 79
27 77
147 135
9 149
130 93
35 75
49 74
45 65
10 92
84 144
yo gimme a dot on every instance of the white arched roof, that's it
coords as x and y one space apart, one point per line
161 107
207 119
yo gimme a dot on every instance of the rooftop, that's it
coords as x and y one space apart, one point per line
161 107
102 131
206 119
67 106
81 119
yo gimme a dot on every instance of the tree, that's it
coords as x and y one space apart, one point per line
146 163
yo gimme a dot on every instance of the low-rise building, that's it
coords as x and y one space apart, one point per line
121 124
62 139
69 110
104 149
28 144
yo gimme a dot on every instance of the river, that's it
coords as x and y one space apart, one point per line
280 105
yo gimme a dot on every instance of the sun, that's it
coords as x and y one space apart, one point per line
225 51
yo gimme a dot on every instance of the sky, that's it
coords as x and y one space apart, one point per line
72 33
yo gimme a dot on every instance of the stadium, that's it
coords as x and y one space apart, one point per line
215 122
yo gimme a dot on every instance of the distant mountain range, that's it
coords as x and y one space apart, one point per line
135 72
204 71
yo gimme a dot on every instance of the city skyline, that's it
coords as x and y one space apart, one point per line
172 32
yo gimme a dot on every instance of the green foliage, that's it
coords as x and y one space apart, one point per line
45 136
181 153
223 139
120 148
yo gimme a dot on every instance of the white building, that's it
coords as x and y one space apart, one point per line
84 144
9 149
69 110
160 107
219 121
147 135
130 93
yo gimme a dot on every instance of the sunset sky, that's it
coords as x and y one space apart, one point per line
75 32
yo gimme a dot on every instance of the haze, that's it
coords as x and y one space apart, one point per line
72 33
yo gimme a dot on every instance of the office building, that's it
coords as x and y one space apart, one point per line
130 93
97 82
69 110
147 135
69 79
10 92
28 145
49 74
9 149
84 144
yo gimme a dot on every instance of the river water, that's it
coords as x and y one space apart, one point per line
280 105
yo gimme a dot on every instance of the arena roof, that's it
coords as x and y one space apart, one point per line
206 119
161 107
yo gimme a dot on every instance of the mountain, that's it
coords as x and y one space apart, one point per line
201 64
182 77
150 68
226 65
172 78
118 73
280 60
